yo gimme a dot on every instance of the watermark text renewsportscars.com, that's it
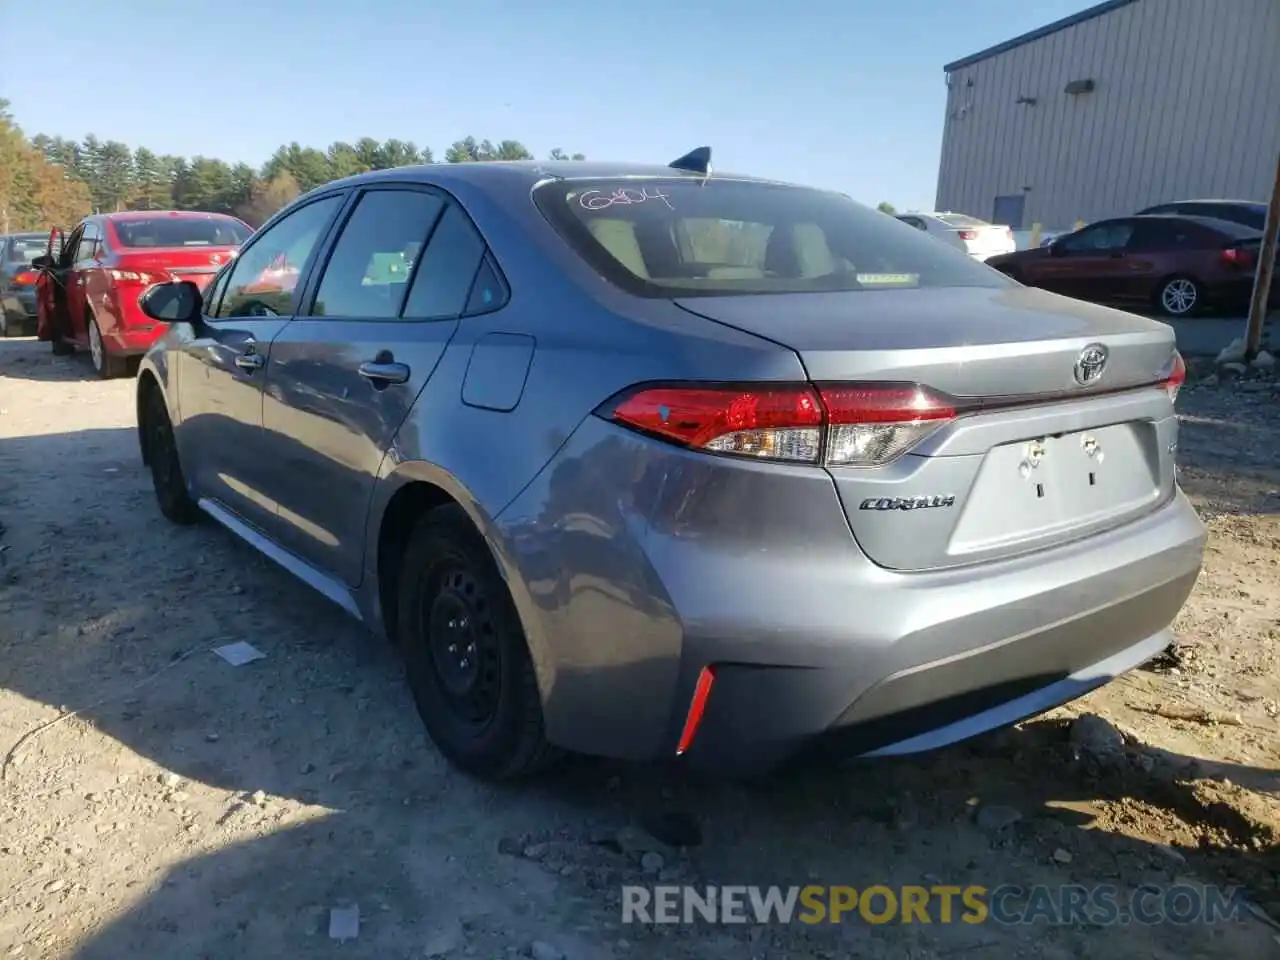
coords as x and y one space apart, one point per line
1068 904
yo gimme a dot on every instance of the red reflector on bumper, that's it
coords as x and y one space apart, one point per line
696 707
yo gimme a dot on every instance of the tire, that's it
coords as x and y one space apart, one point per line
465 652
1180 296
167 479
105 364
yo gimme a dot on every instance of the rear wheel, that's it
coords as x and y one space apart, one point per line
465 652
107 365
162 457
1179 297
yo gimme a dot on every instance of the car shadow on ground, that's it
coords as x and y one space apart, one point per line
107 611
26 358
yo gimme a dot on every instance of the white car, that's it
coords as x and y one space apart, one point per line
975 237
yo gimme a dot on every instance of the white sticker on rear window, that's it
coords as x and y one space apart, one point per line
888 279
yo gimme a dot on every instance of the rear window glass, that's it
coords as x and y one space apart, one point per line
27 248
960 220
669 237
181 232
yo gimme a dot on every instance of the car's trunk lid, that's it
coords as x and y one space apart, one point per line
1039 460
197 264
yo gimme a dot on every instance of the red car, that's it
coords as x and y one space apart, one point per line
1178 264
89 286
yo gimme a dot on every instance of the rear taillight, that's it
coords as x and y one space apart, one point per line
870 425
968 234
136 277
1238 257
857 425
24 278
1173 376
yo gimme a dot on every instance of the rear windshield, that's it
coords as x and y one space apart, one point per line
682 237
181 232
26 249
960 220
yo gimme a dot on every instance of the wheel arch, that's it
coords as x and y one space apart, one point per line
405 494
152 376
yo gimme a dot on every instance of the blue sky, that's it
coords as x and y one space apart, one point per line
846 94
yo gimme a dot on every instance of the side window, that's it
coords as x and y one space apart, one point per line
264 279
913 222
70 247
215 292
1149 237
489 292
368 272
88 243
442 285
1099 239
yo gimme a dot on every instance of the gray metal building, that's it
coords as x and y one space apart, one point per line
1124 105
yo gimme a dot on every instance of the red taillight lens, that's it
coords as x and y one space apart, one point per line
24 278
777 423
839 424
968 234
1237 257
1173 376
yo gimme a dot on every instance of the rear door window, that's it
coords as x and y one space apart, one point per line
368 272
685 236
442 285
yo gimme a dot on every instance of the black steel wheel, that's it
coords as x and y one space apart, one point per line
162 457
465 652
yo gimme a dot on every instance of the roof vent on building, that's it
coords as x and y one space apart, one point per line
1029 101
1077 87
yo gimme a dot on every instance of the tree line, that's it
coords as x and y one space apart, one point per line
48 181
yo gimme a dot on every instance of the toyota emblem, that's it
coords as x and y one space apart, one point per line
1091 363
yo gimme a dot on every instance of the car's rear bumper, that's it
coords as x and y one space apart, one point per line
635 566
132 338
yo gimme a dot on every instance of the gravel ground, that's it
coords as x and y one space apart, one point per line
191 809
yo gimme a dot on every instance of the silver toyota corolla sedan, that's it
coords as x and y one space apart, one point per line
648 461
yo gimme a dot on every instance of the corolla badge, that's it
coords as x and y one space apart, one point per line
1090 364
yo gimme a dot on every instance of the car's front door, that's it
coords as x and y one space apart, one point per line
344 377
84 260
1088 264
224 366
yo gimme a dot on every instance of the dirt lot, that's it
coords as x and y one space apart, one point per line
191 809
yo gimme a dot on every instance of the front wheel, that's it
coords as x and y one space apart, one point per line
1179 297
162 457
465 652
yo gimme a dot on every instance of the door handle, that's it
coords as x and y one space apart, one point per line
384 373
250 361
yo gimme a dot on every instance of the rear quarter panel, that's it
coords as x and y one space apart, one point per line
589 341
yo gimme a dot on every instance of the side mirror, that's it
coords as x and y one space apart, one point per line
1056 249
178 301
43 263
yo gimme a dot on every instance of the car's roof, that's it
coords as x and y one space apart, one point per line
1233 203
27 235
1214 223
505 174
126 215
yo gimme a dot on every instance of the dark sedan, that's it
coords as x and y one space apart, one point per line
1179 264
18 281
